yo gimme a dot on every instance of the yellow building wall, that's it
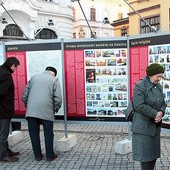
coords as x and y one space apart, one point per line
165 15
117 30
142 4
163 9
134 19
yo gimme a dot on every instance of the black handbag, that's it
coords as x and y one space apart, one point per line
129 112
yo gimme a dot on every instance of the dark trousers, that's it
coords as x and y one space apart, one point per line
4 132
148 165
34 132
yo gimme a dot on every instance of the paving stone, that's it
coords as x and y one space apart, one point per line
94 150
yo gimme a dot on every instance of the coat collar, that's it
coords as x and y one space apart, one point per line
6 68
149 84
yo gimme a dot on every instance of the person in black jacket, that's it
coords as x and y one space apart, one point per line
7 107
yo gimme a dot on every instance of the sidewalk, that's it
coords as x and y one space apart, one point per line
95 150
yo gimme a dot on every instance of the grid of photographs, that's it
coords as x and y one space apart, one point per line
106 82
161 54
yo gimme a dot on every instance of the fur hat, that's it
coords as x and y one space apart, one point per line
49 68
154 68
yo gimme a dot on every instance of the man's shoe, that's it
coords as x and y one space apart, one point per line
9 159
11 153
39 158
52 158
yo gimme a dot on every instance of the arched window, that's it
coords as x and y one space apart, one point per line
46 34
12 30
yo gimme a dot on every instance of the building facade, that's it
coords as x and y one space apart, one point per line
99 15
144 16
53 19
30 19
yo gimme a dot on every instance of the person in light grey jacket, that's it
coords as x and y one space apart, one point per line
149 106
42 98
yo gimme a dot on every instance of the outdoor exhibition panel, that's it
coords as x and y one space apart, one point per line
34 57
96 79
97 76
92 73
147 49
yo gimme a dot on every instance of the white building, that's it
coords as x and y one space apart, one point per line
41 18
98 14
51 19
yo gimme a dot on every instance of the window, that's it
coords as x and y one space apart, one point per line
153 21
12 30
120 15
74 35
74 13
81 33
46 34
92 14
124 32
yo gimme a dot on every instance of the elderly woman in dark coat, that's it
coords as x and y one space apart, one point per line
149 105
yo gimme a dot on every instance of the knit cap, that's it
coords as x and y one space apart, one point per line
154 68
49 68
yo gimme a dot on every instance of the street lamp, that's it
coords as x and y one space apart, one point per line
50 22
106 20
4 21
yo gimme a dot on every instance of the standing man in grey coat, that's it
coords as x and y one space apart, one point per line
42 98
149 105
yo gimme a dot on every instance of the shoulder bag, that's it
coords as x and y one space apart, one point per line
129 112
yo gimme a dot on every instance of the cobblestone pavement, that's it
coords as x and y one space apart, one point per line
95 150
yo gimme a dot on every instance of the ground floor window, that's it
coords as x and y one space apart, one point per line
12 30
46 34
